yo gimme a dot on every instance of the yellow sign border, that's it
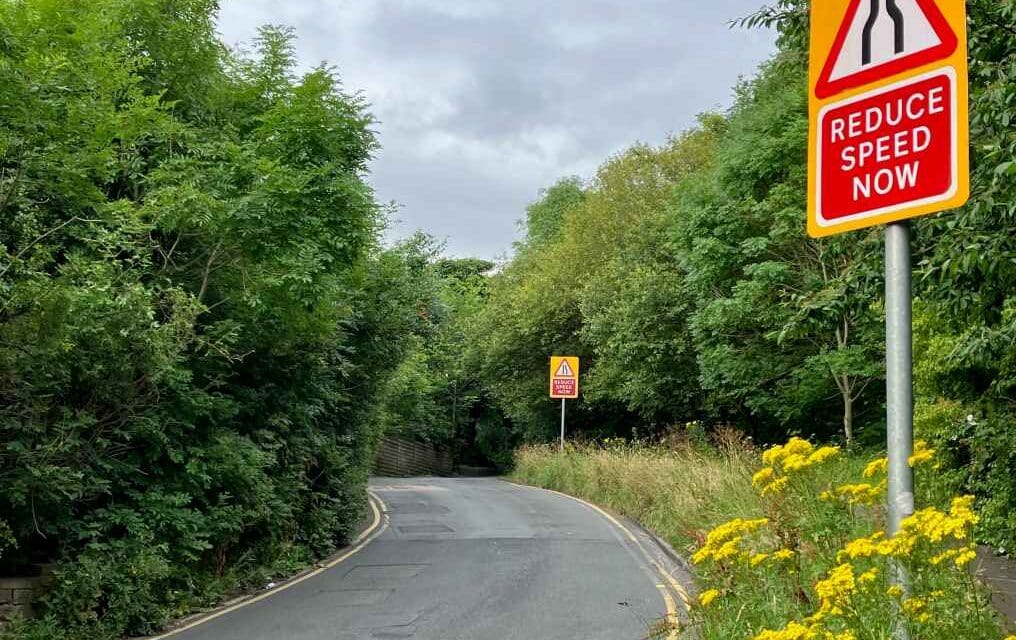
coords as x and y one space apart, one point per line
826 17
555 362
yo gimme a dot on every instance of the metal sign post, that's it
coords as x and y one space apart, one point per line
564 383
888 141
899 384
562 424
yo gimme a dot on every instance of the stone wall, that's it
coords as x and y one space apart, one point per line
17 594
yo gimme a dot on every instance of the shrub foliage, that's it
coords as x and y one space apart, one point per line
196 322
683 276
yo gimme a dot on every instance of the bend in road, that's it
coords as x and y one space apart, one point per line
469 558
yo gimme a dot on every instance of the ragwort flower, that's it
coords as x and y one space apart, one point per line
723 542
706 597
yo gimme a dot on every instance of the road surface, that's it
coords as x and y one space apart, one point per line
469 559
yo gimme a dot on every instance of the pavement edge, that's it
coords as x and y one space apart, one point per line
377 526
661 544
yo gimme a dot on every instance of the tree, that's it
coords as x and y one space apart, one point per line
195 319
782 323
545 217
635 305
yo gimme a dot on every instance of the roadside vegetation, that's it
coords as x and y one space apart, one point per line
788 543
202 338
683 277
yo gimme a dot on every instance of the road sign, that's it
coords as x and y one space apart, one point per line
888 107
564 377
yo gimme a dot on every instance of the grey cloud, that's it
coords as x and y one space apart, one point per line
482 103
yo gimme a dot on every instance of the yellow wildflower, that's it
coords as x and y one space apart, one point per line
945 555
895 591
784 459
773 454
922 453
900 545
964 557
861 547
862 493
793 631
727 550
798 446
783 554
962 507
822 454
778 453
757 558
875 467
732 529
934 525
706 597
723 541
762 477
775 486
868 576
794 462
835 590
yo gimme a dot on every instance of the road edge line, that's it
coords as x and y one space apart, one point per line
376 528
668 601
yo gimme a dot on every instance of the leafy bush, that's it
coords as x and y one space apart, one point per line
683 276
196 322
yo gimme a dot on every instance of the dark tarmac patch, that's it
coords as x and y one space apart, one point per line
425 528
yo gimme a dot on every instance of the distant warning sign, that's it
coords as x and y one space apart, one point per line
888 107
564 377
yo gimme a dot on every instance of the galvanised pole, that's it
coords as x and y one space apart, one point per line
562 424
899 385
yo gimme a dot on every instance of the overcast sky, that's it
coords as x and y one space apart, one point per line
481 103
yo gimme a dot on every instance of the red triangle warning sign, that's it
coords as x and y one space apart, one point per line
882 38
564 371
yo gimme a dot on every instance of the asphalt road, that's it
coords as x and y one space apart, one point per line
472 558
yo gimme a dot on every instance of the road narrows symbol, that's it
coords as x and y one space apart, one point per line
884 38
564 371
869 26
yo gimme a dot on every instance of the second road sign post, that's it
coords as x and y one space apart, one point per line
888 142
564 382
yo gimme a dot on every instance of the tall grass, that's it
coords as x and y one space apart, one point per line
785 574
679 491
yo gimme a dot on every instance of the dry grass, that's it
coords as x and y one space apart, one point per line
679 492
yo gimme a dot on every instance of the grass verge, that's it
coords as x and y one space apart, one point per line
788 544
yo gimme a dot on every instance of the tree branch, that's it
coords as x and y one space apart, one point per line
208 270
43 237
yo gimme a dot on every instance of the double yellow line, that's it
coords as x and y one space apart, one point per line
668 600
380 523
376 528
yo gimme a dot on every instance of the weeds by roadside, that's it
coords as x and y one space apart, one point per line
789 544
